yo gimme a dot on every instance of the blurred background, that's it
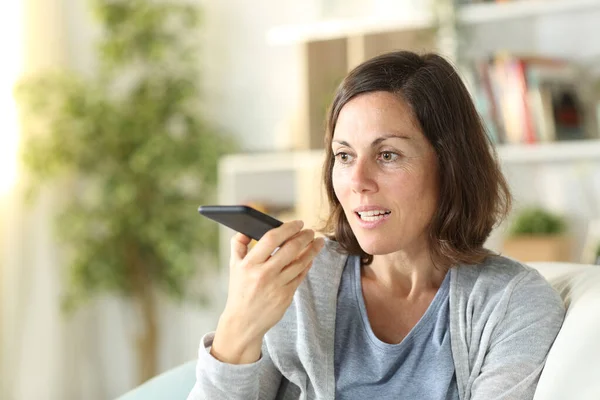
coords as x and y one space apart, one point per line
121 117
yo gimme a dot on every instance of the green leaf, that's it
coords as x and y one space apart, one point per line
537 222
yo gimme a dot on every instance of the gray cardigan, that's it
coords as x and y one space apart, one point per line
504 317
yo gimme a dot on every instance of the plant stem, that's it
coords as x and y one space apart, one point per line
146 341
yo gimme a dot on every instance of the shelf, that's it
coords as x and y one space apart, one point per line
581 150
267 162
341 28
468 14
550 152
478 13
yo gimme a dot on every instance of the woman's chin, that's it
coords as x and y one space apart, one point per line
376 247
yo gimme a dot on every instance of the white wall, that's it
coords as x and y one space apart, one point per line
250 85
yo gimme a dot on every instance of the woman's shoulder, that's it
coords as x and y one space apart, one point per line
505 317
500 278
495 270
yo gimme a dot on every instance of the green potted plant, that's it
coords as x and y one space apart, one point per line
537 234
131 147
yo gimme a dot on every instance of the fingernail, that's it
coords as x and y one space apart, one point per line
299 223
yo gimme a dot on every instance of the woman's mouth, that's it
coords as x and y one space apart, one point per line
373 215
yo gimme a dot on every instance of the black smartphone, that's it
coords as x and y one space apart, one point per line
244 219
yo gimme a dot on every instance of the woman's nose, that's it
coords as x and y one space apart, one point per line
362 178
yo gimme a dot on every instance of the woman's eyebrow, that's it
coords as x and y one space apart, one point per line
342 142
378 140
390 136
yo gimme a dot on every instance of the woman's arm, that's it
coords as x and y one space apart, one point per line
520 343
233 362
216 380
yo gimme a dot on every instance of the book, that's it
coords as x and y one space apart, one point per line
529 98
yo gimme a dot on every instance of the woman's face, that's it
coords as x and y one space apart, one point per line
385 174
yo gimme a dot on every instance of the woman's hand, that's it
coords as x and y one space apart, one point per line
261 288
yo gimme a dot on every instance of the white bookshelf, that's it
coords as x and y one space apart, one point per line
551 174
467 14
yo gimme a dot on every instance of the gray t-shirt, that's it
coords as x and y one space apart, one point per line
420 367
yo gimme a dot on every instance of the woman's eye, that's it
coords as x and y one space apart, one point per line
388 156
342 157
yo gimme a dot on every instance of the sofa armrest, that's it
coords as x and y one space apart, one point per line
571 370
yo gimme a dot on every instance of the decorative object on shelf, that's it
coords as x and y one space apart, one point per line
538 235
132 148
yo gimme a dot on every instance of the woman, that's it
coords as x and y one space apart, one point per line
401 301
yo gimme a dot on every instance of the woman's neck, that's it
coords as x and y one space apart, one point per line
404 274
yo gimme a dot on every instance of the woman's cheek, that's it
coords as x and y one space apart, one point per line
335 181
339 182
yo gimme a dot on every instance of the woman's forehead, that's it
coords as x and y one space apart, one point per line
376 115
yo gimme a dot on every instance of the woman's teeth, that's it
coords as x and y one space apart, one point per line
374 215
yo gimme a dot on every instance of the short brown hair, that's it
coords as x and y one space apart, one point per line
473 194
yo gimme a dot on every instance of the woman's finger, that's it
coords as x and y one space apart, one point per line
298 266
294 283
291 250
271 240
239 247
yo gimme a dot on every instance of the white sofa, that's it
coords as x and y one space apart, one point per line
572 370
